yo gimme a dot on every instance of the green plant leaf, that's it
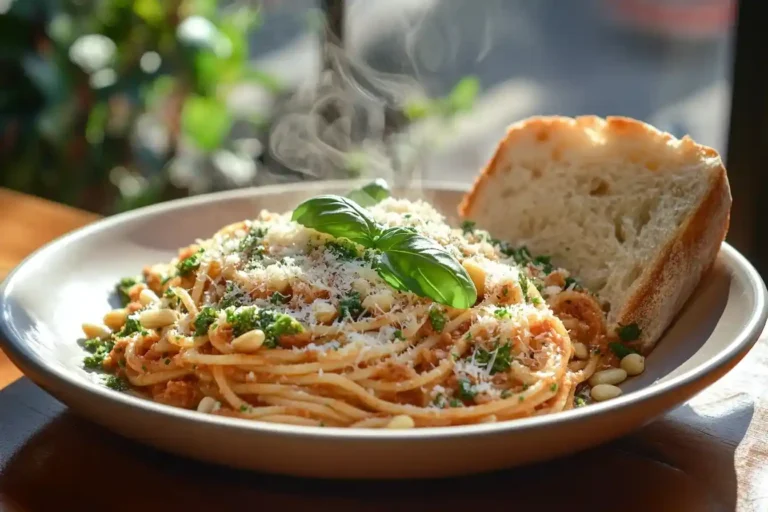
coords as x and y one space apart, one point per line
151 11
371 194
339 217
425 268
463 95
206 121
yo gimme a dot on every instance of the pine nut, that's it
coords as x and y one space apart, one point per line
157 318
477 274
603 392
249 342
361 286
208 405
96 331
115 319
401 422
611 376
380 301
633 364
580 351
147 297
324 312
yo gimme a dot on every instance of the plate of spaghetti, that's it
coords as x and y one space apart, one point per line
335 331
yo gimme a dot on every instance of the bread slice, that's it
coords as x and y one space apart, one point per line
635 214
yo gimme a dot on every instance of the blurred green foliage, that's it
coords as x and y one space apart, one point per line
78 76
109 105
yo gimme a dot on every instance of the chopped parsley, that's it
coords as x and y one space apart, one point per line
570 281
468 227
500 355
343 249
621 350
466 391
437 318
522 255
502 313
399 335
204 320
251 244
468 336
99 350
190 264
350 306
579 401
122 288
116 383
536 301
553 387
233 296
506 393
131 326
169 294
629 332
272 323
279 298
524 284
243 408
545 263
455 402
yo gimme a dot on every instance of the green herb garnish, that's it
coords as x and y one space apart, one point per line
279 298
466 391
204 320
351 306
502 313
570 281
251 244
545 263
339 217
408 262
343 249
524 284
411 262
468 227
399 335
115 382
371 194
271 323
131 326
190 264
123 286
621 350
630 332
99 350
500 355
437 318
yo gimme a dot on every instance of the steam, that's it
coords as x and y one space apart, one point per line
349 121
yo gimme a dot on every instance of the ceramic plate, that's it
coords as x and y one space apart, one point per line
44 301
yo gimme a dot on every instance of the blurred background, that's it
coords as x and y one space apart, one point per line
108 105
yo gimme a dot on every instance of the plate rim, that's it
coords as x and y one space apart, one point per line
53 379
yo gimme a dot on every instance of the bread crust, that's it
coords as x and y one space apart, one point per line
668 282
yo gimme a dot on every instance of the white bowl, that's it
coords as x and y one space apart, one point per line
44 301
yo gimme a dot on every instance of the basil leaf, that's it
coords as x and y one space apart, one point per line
411 262
371 194
339 217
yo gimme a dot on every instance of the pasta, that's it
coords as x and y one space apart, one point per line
273 321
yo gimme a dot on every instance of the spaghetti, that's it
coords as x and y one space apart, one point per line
272 321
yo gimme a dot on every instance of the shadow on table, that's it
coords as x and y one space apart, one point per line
72 464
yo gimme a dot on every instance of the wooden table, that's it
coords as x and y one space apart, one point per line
709 454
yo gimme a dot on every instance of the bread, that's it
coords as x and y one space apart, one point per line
635 214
